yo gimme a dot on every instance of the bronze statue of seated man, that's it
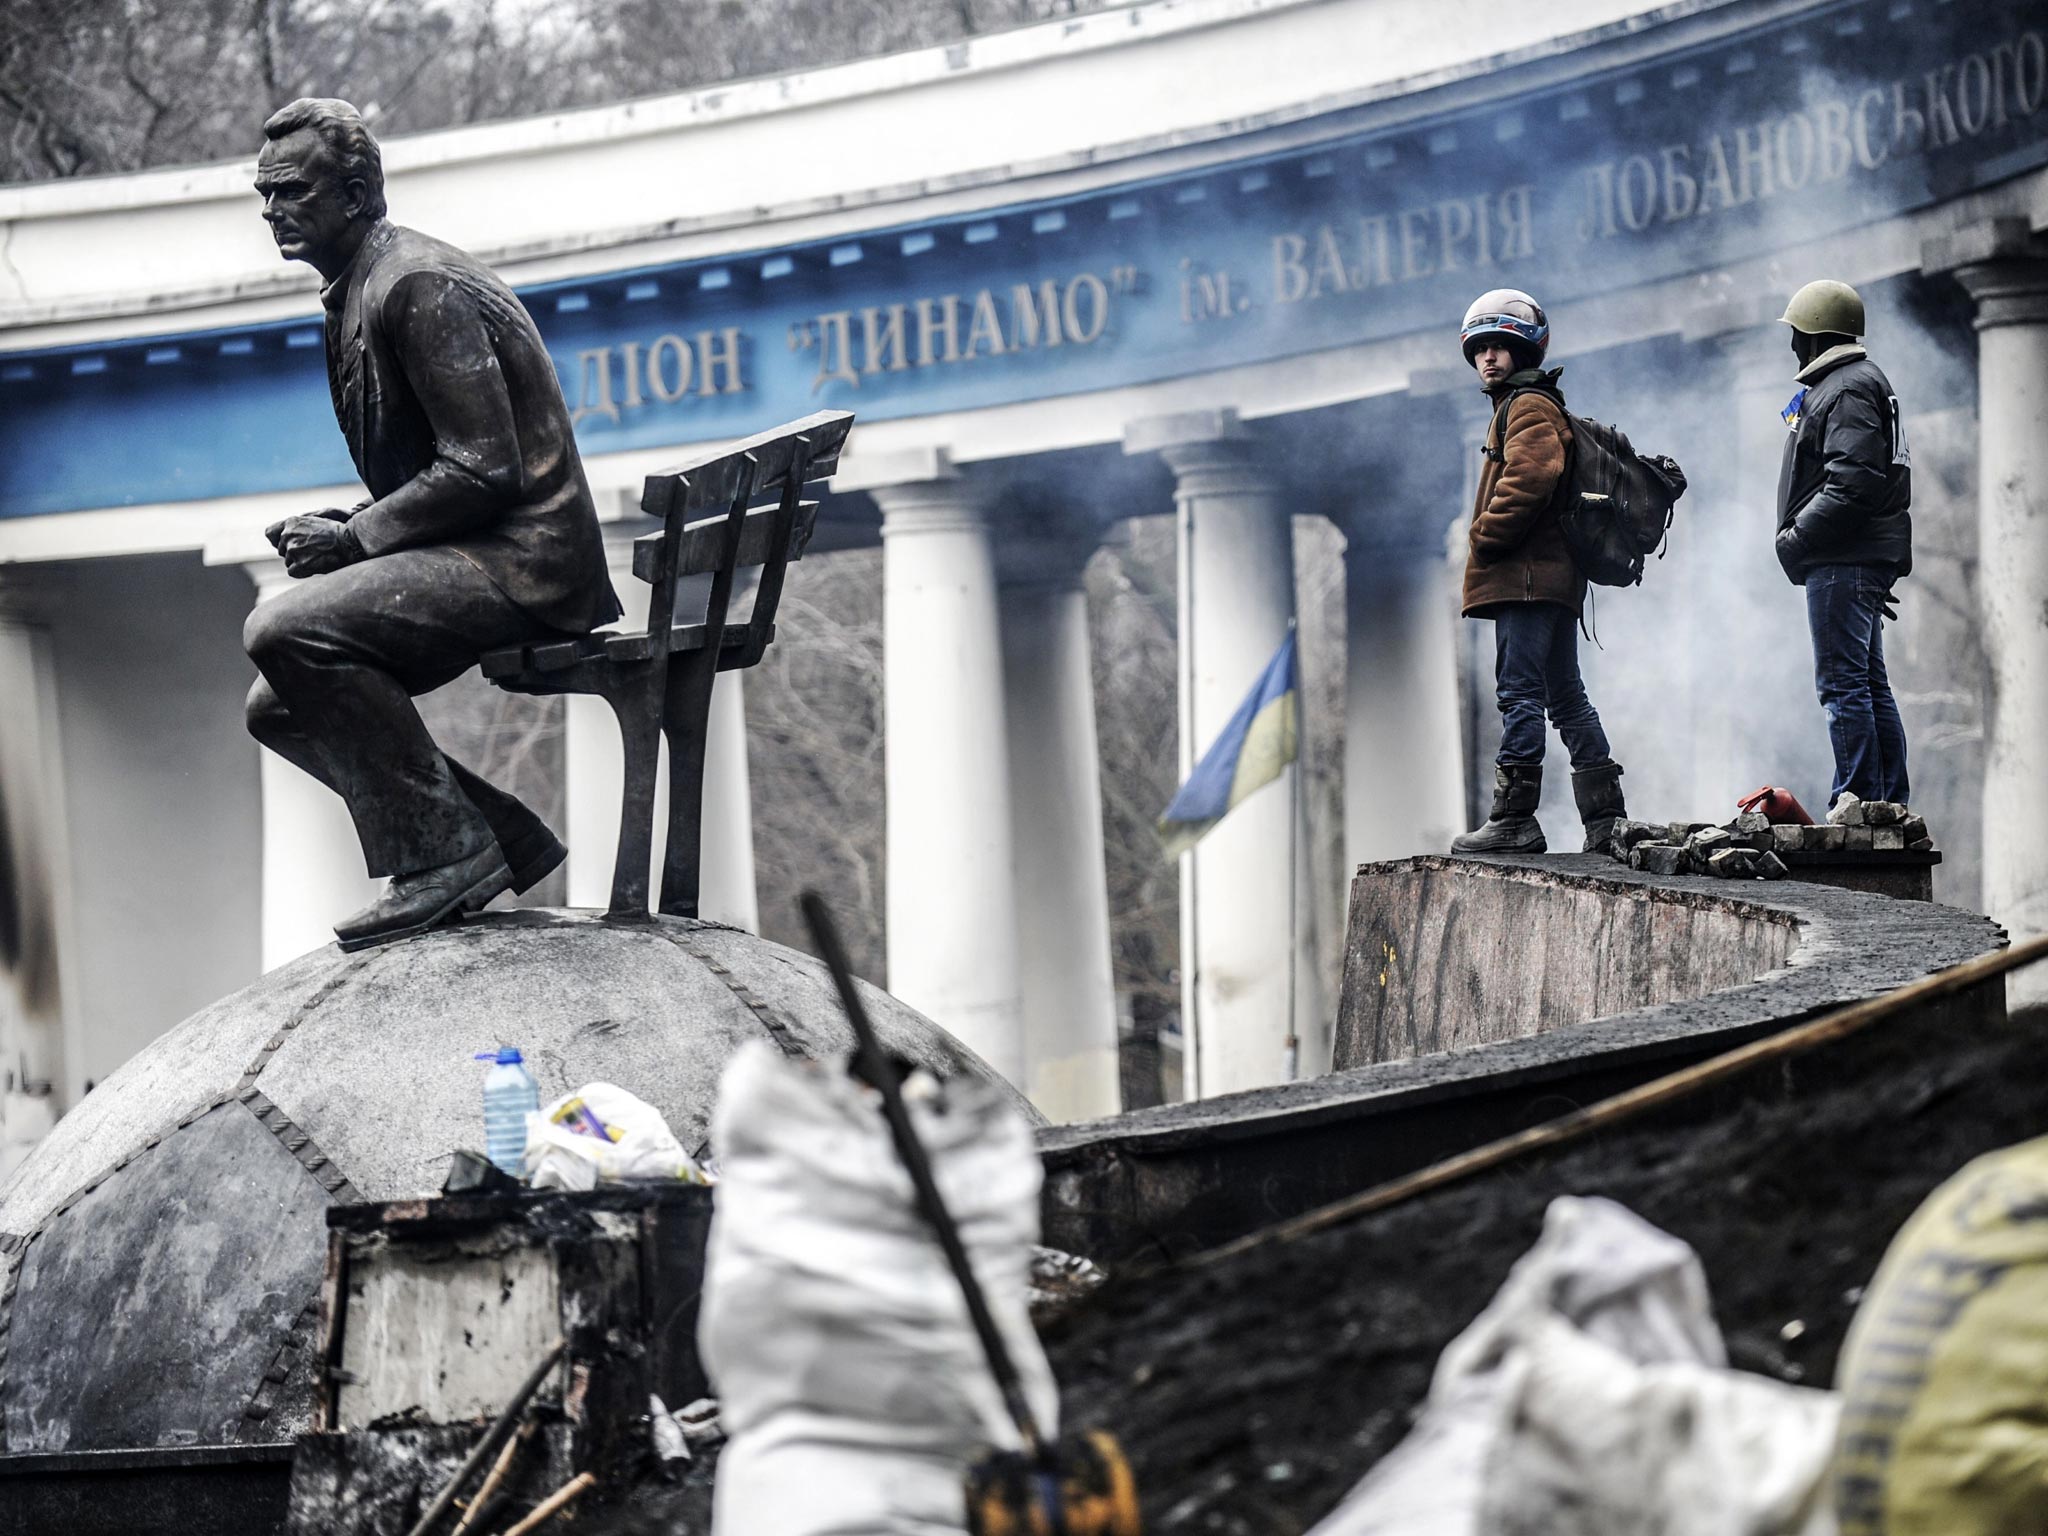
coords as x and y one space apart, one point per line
479 532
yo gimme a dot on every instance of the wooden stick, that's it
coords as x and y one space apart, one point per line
1623 1106
501 1427
498 1470
575 1488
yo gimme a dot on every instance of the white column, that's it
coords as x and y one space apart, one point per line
1236 598
1404 779
313 870
1062 893
2005 268
594 764
726 891
35 886
952 905
595 769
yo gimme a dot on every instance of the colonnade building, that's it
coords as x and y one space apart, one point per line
1197 258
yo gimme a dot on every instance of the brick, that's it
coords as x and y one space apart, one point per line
1746 864
1883 813
1915 828
1733 863
1832 839
1658 858
1921 845
1702 844
1849 813
1679 831
1859 839
1789 839
1887 839
1750 823
1630 833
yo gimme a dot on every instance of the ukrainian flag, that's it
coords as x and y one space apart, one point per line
1262 738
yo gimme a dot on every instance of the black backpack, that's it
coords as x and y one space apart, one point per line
1613 503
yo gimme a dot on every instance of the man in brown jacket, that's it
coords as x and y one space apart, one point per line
1521 575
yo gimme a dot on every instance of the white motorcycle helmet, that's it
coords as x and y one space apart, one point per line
1505 314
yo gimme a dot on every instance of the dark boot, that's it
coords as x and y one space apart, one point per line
1512 828
1598 791
416 902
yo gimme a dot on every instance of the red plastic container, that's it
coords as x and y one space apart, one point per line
1781 805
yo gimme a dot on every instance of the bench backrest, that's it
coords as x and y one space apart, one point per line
710 526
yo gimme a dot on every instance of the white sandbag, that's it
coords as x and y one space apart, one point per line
1592 1398
849 1378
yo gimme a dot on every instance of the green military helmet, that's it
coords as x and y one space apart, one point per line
1824 308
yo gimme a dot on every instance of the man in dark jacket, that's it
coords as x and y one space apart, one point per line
1845 532
479 532
1521 575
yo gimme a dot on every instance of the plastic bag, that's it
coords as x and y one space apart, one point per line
1592 1398
601 1134
849 1378
1944 1374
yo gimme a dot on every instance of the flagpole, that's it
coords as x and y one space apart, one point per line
1291 1059
1190 877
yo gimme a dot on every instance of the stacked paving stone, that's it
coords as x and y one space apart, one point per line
1740 849
1747 848
1875 825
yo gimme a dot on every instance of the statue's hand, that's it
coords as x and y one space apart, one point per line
275 532
314 544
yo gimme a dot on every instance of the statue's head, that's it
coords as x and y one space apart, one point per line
321 180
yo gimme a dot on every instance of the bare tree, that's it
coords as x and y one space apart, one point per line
814 732
1131 613
89 87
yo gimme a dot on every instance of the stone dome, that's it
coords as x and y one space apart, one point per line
161 1250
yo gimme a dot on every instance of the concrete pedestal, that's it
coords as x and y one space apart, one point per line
1070 1041
1236 598
2005 268
952 903
313 871
596 775
1404 782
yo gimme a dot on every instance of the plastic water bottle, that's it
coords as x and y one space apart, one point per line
510 1094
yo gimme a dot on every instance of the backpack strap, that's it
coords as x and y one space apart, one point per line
1495 445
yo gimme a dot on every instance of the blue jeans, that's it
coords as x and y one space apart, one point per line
1536 671
1844 609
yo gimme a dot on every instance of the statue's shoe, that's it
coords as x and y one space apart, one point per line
416 902
532 857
